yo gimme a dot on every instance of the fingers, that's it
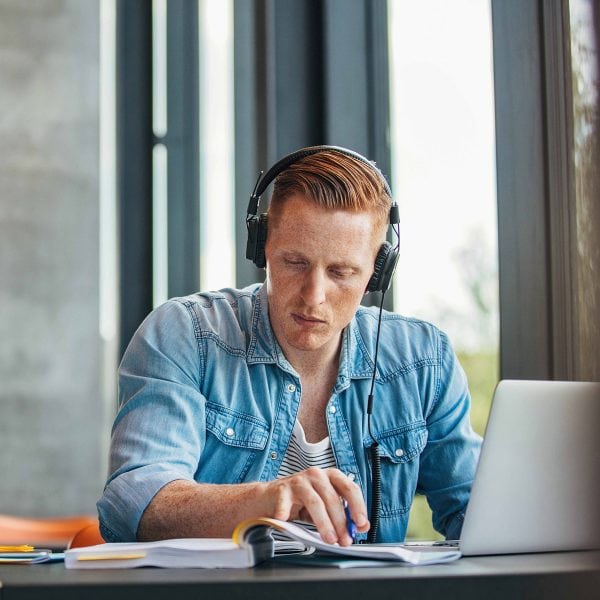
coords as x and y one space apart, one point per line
315 495
319 493
349 491
283 505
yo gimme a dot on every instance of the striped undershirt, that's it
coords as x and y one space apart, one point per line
301 455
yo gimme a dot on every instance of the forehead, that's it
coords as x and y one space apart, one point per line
297 214
333 236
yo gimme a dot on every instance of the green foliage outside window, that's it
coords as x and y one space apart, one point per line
482 373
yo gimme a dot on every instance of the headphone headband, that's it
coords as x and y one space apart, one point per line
283 163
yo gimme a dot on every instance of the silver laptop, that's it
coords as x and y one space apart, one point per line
537 485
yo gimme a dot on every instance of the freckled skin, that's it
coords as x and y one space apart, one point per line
319 263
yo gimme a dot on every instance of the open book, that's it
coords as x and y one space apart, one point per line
251 543
384 552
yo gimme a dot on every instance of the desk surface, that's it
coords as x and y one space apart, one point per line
552 575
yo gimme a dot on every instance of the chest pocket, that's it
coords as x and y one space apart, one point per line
235 428
400 450
235 442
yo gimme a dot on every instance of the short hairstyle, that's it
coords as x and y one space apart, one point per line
334 181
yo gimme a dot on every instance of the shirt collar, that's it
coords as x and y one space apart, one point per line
262 347
355 360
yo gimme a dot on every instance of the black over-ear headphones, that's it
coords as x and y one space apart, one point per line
387 257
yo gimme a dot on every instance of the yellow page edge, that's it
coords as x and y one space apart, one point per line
112 556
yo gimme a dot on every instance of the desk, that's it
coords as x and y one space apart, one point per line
571 575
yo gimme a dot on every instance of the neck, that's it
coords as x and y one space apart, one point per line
312 362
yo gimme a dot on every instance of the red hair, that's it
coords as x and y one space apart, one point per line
333 181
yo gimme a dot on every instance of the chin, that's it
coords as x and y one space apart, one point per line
307 343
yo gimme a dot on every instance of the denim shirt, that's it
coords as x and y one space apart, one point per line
206 394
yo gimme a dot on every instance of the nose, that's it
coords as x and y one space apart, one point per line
313 289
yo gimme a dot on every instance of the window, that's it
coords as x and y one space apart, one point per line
217 236
443 167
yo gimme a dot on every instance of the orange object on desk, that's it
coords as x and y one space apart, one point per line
53 532
88 536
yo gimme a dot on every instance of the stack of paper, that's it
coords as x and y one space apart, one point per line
181 553
23 555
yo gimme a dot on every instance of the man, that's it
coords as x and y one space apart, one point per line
228 397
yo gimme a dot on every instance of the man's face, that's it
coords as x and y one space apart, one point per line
319 262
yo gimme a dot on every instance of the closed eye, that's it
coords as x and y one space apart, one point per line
294 263
342 273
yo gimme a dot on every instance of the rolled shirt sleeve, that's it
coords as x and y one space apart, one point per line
160 430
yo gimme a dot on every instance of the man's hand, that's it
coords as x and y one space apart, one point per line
316 495
188 509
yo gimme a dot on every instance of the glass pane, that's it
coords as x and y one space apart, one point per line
217 236
443 150
107 182
585 38
160 226
159 67
160 213
108 258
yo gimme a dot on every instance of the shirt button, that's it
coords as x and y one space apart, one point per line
273 455
229 432
399 452
332 409
291 388
351 476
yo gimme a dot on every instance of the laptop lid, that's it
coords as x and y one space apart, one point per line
538 477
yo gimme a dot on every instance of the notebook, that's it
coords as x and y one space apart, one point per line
537 483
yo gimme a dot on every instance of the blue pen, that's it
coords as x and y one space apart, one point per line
350 524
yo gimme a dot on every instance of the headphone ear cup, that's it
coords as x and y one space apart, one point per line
385 265
261 239
257 238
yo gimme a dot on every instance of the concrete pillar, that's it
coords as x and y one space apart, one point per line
53 425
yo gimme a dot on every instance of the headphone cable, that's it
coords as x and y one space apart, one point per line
374 448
